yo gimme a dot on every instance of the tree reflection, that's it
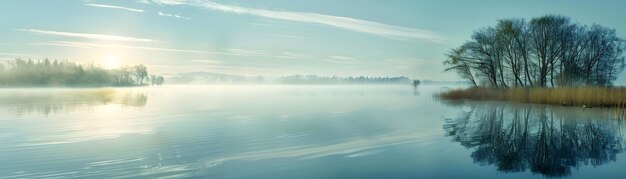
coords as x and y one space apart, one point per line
546 140
55 101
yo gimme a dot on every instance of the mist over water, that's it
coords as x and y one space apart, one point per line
308 131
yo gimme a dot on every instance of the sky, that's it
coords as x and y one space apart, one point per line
271 37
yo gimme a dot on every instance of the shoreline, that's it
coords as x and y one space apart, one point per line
71 87
586 97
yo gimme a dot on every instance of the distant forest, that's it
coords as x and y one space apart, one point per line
546 51
215 78
26 73
314 79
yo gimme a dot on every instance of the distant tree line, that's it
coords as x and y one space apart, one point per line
546 51
215 78
314 79
157 80
64 73
212 78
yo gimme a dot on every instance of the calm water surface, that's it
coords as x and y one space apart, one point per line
298 132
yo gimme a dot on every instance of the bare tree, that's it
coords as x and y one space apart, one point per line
545 51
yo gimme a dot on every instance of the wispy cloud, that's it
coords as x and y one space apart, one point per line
58 44
346 23
341 57
168 2
262 24
232 52
173 15
87 35
89 45
251 52
299 37
343 60
13 54
114 7
205 61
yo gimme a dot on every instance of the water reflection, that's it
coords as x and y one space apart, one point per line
416 91
546 140
39 101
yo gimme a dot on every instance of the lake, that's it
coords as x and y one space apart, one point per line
274 131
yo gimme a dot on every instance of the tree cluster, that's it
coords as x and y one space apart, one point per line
546 51
64 73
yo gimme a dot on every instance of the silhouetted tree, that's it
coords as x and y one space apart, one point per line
416 83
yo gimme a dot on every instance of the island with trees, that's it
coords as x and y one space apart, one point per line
549 60
31 73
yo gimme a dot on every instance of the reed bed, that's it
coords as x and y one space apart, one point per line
566 96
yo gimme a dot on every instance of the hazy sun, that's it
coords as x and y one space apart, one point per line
110 61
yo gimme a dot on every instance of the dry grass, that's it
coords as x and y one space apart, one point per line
567 96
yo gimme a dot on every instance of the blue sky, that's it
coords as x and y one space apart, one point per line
270 37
